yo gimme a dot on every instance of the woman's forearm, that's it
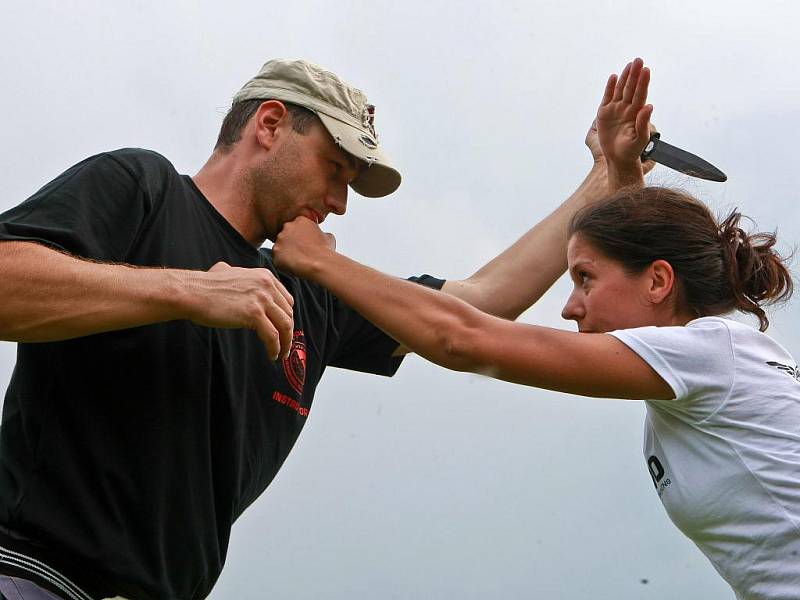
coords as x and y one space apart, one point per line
514 280
429 322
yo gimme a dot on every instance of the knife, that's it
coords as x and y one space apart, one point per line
680 160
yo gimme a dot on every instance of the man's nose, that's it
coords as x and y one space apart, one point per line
336 200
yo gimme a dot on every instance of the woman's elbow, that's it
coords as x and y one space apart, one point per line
461 350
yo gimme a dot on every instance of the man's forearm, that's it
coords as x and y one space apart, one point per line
510 283
47 295
50 296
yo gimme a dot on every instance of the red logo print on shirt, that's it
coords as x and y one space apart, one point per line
295 365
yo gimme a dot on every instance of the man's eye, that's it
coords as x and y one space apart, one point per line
337 167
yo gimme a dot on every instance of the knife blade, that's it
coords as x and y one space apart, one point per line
680 160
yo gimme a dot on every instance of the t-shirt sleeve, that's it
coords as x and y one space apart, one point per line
364 347
94 209
696 361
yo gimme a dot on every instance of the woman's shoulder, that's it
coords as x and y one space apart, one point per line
695 334
740 333
718 323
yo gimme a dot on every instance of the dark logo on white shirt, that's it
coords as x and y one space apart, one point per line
657 473
792 371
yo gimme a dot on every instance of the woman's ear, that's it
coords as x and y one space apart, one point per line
661 278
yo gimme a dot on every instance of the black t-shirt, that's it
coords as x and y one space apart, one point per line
126 456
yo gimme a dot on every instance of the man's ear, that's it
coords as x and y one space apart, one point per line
661 279
268 120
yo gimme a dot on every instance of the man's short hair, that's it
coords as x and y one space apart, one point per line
241 112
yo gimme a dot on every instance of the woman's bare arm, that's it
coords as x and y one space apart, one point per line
453 334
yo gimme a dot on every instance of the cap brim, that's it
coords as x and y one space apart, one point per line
377 178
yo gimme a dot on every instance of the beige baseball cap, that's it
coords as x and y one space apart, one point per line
343 110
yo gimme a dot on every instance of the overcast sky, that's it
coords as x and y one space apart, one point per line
433 484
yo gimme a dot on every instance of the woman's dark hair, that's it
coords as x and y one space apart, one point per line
719 266
241 112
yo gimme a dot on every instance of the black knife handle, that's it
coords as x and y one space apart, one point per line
651 145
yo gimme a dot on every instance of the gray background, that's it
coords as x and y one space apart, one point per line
435 484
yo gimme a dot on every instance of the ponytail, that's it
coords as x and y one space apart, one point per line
757 274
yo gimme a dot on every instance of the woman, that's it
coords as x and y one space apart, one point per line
653 272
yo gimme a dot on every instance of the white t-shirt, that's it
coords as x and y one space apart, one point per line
724 455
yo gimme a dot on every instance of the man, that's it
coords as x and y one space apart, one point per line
165 368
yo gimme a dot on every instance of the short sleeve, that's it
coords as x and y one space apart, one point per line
364 347
696 361
95 210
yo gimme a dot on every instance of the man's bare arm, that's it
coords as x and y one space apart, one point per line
48 295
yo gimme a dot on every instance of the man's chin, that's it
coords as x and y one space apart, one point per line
273 232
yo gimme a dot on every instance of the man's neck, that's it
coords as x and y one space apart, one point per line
222 182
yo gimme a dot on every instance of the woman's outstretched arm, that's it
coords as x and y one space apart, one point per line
453 334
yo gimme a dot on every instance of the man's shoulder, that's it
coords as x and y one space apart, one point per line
138 160
128 168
